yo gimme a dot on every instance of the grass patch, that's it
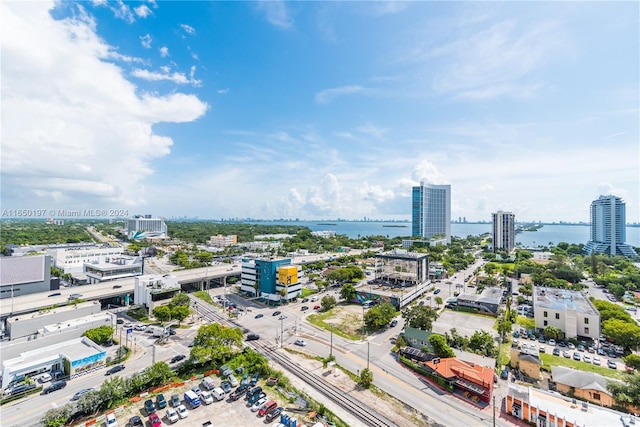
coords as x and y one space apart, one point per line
504 355
306 292
551 360
204 295
343 329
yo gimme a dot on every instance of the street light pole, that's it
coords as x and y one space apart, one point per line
331 348
368 354
281 331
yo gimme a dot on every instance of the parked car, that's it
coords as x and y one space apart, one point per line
172 415
253 337
566 354
556 351
55 386
267 407
305 300
44 378
304 308
149 406
552 342
233 380
182 411
253 391
140 327
571 346
596 360
253 399
161 403
276 313
115 369
175 400
259 315
273 414
154 420
226 386
128 325
257 405
316 307
393 323
576 356
586 358
437 291
239 392
254 379
206 397
300 342
136 421
611 364
245 379
504 374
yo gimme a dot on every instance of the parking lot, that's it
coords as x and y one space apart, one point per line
465 323
221 413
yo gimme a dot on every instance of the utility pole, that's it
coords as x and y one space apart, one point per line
331 350
494 410
281 331
368 354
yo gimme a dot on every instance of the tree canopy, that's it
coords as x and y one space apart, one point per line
379 316
328 302
348 292
215 342
440 347
420 317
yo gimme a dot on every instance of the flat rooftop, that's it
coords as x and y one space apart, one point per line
562 299
75 349
488 295
61 309
591 416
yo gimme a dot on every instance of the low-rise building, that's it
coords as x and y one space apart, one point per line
117 268
527 361
401 266
570 311
221 241
473 381
417 338
325 234
24 275
542 408
74 357
487 302
155 290
72 259
582 384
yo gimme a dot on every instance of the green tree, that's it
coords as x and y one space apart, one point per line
99 335
215 343
162 313
366 378
158 374
89 403
57 417
617 290
328 302
482 342
553 332
626 393
438 300
526 322
113 391
348 292
622 333
504 327
379 316
632 360
180 298
440 347
180 312
420 317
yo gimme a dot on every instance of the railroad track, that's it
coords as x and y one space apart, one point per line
369 417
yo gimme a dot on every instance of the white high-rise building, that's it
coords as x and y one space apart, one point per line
431 212
504 231
145 227
608 228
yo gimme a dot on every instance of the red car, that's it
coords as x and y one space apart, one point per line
316 307
154 420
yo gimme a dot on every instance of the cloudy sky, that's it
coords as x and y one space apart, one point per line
318 110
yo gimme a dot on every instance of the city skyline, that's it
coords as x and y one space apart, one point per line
320 110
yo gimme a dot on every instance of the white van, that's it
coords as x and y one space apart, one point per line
208 383
110 420
206 397
218 393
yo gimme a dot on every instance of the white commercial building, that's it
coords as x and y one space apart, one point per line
325 234
118 268
24 275
568 310
72 260
145 227
155 290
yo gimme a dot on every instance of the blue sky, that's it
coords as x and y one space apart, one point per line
317 110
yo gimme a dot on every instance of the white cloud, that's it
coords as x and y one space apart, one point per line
143 11
165 75
164 51
146 40
223 91
429 173
389 7
325 198
93 122
372 130
328 95
276 13
188 29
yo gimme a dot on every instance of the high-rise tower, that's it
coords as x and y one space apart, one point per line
431 211
504 231
608 228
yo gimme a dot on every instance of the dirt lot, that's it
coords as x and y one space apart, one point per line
465 323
